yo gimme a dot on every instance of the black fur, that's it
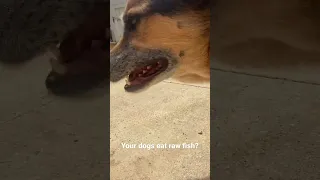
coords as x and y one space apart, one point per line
169 7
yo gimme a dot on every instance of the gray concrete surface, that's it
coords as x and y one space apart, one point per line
47 138
168 113
265 128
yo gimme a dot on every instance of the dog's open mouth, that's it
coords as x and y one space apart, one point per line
141 76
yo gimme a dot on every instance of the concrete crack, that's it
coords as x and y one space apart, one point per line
265 76
19 115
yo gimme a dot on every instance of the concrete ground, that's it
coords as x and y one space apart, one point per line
264 128
47 138
168 113
267 123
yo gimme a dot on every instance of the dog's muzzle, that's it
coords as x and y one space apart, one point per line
123 62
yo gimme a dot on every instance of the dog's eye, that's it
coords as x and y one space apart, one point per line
132 24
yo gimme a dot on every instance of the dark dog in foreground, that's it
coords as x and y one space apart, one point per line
81 61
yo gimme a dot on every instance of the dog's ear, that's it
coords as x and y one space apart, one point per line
138 5
132 3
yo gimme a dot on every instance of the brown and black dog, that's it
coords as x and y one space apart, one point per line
162 39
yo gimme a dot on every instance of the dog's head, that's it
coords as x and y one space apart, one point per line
80 62
162 39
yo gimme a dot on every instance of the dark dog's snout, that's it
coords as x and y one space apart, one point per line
56 83
50 81
72 83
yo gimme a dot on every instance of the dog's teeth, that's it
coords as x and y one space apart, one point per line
144 71
139 75
148 67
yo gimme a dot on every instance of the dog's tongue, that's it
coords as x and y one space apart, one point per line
144 73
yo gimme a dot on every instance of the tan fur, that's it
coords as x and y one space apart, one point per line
183 33
116 47
160 32
137 8
112 45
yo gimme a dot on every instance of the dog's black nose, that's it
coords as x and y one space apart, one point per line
54 83
72 84
50 81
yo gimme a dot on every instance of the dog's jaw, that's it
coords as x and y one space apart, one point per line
124 62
